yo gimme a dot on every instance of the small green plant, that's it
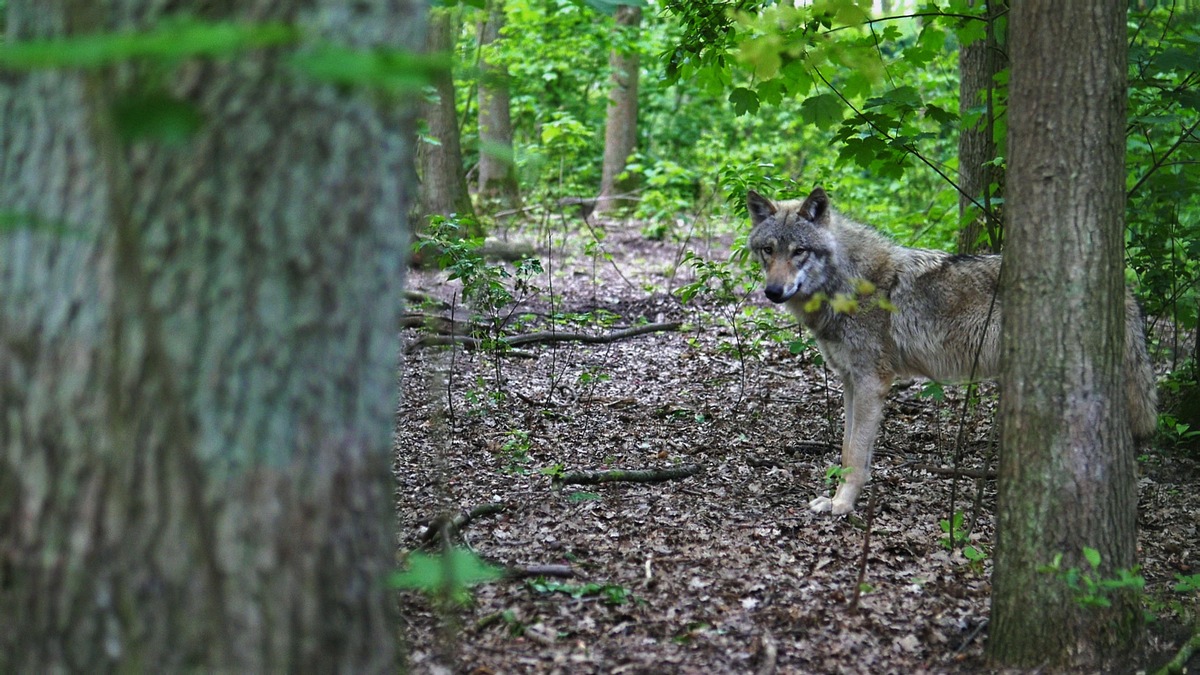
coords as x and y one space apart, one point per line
836 475
1187 584
609 594
592 375
1089 588
955 536
577 497
447 576
516 448
1175 432
932 391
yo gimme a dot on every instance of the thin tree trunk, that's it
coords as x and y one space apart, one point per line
197 358
1067 470
978 64
620 129
443 182
497 171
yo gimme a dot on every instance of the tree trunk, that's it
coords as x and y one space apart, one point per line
197 356
497 172
620 129
443 183
1067 471
978 64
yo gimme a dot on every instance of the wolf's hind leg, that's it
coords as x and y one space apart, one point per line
864 411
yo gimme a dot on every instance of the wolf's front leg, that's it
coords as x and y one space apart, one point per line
864 411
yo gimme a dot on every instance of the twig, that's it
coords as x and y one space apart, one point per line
543 337
627 476
866 547
451 526
811 446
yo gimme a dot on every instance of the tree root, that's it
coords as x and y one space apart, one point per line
627 476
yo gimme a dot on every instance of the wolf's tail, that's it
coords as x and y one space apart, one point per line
1140 390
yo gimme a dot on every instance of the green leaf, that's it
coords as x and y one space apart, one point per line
156 116
392 70
452 575
744 101
609 7
1092 556
171 40
823 110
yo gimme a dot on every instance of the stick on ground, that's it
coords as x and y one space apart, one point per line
627 475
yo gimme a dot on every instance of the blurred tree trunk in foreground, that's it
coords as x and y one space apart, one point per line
198 353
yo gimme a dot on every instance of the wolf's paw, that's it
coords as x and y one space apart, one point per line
820 505
841 508
836 507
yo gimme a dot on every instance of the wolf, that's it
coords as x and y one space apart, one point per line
881 311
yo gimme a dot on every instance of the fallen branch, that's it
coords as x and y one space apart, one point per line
419 298
1179 663
435 323
445 527
528 571
543 337
760 462
957 473
812 446
627 476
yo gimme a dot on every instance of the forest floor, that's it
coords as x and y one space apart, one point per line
725 571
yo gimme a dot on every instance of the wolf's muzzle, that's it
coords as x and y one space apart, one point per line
775 293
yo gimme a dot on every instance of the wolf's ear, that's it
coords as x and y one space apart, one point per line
816 206
759 206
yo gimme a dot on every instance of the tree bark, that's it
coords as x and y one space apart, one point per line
497 171
1067 470
620 129
443 181
197 356
978 64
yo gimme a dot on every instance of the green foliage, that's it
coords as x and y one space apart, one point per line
609 594
448 576
516 449
1187 584
1089 588
836 475
610 6
955 536
170 41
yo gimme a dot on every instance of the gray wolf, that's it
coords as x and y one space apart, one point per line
881 311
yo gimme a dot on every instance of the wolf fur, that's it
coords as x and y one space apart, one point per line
919 313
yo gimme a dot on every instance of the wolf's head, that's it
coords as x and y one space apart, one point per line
793 242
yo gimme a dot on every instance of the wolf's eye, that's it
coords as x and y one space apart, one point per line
768 250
